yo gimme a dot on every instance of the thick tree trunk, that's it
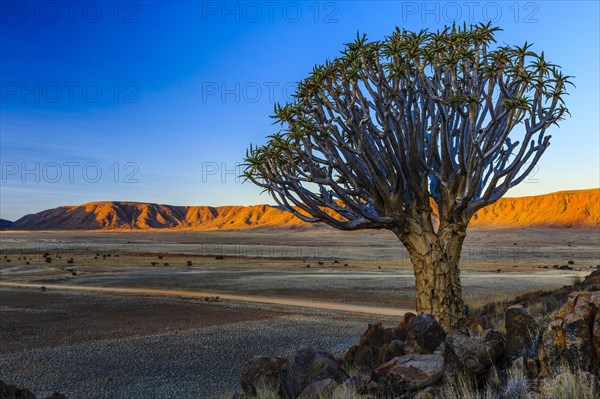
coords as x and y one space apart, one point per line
435 259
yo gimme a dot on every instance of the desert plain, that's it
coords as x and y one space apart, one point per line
139 314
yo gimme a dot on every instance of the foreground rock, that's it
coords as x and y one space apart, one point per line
573 337
409 373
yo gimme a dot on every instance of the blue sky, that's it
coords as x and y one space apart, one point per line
157 101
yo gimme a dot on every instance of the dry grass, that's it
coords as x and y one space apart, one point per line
266 393
564 382
345 392
464 387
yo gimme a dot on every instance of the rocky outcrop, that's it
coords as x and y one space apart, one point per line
415 334
573 337
417 360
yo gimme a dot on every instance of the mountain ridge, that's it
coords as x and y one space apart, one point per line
574 208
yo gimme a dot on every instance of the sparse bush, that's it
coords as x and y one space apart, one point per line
516 385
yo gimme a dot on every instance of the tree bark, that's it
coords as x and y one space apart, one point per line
435 258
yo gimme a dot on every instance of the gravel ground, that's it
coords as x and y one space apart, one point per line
201 362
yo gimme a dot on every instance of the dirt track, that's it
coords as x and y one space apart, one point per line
244 298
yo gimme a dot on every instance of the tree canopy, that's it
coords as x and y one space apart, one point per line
391 125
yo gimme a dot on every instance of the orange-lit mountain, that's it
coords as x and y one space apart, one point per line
561 209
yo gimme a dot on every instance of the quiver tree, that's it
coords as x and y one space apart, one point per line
414 134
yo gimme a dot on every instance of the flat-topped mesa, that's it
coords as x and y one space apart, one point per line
562 209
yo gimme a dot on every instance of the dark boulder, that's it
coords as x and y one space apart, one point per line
409 372
522 331
307 366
